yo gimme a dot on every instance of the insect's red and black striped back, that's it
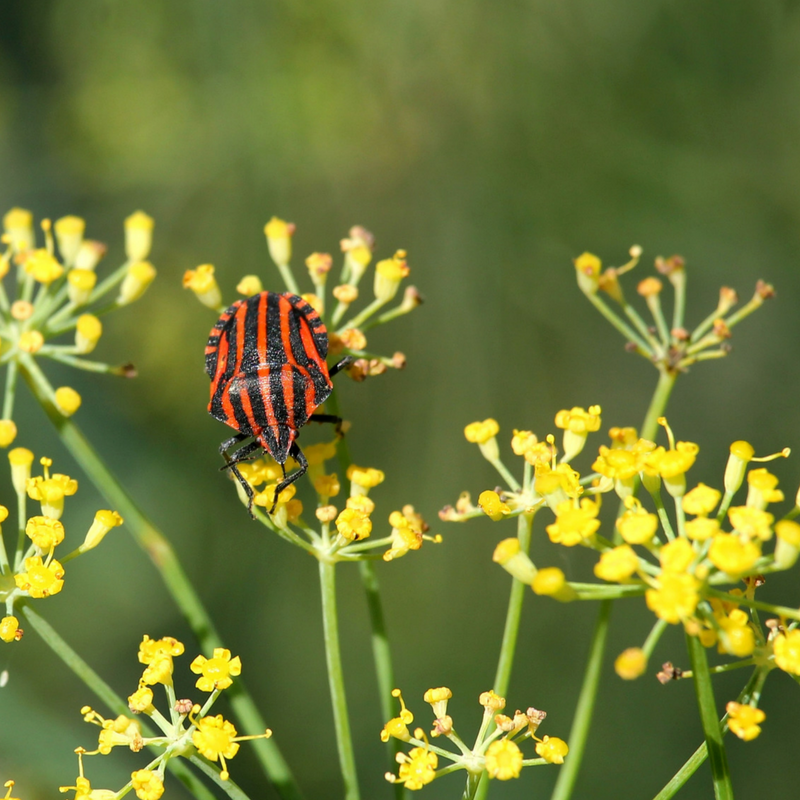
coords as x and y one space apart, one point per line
266 360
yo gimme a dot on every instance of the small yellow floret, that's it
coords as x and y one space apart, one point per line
676 598
491 505
574 523
732 555
701 528
8 432
68 400
88 331
552 749
8 629
345 293
617 564
676 556
147 784
216 673
43 267
353 525
31 341
701 500
751 522
139 276
45 532
40 579
787 651
250 285
637 526
503 760
744 720
365 477
631 663
481 432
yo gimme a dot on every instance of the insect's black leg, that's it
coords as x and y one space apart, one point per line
332 418
248 489
297 454
240 437
340 365
243 454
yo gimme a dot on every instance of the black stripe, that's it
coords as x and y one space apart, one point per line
276 358
238 410
230 367
251 363
298 351
300 410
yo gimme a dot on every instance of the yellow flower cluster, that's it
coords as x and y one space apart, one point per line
496 751
186 727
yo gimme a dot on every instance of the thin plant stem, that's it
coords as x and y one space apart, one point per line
381 650
584 711
620 325
107 695
344 741
473 783
723 789
165 560
10 390
692 764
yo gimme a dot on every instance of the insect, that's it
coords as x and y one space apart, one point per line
266 360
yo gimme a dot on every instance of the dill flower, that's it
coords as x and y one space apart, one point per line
40 579
147 784
574 523
787 651
417 768
215 738
752 523
577 424
9 628
701 500
744 720
503 760
490 503
216 673
676 597
617 564
731 555
552 749
631 663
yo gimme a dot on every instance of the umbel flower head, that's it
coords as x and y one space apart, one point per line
55 293
184 727
496 750
35 572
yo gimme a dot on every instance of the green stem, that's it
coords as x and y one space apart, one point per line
621 326
288 278
107 695
473 783
781 611
723 790
650 426
10 390
697 758
327 578
381 650
582 721
163 556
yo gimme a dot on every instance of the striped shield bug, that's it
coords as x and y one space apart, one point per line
266 360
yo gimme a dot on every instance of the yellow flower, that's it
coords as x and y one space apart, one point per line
353 524
203 283
139 276
20 459
521 441
787 546
120 732
491 505
31 342
514 561
701 528
637 526
87 333
617 564
587 270
631 663
736 636
152 649
676 598
731 555
614 462
556 485
345 293
388 274
103 522
761 489
552 749
744 720
69 234
701 500
214 739
363 479
396 727
787 651
406 534
551 582
18 224
437 698
8 432
672 465
574 523
216 672
43 267
250 285
279 240
8 629
676 556
492 701
45 532
751 522
417 768
577 424
80 283
141 700
68 401
50 491
327 485
266 497
503 760
481 432
40 579
89 254
147 784
138 236
319 265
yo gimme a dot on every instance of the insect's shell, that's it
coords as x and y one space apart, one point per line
266 360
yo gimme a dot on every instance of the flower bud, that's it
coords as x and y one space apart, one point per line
250 285
787 545
552 582
388 274
203 283
87 333
138 236
140 276
740 455
8 432
80 283
279 240
20 459
68 401
514 561
89 254
587 271
18 224
69 235
319 265
44 268
103 522
345 293
31 342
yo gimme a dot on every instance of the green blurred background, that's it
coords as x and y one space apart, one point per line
495 142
